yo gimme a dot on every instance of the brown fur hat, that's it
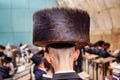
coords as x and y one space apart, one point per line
60 25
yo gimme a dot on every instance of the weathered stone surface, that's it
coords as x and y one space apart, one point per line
116 35
105 18
115 17
112 3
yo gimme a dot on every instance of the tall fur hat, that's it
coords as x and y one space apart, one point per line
60 25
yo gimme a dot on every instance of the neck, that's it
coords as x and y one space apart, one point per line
41 65
63 67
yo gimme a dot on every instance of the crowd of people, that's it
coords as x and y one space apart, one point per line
11 57
102 49
7 65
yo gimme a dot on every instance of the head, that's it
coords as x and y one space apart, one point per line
61 55
106 45
38 58
2 48
1 54
100 43
7 61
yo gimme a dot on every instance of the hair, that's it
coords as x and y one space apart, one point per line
61 56
60 24
38 58
100 43
48 65
41 52
7 59
60 45
2 47
106 45
1 54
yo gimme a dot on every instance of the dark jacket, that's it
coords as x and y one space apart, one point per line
39 74
5 72
1 78
99 52
46 78
104 54
66 76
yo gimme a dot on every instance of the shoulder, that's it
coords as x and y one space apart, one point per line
46 78
39 71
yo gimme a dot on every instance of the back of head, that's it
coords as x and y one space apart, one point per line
38 58
2 48
60 48
61 25
1 54
7 59
100 43
106 45
61 54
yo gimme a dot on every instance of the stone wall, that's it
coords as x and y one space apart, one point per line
105 18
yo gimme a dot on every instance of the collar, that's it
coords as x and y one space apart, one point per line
65 75
47 76
43 69
67 71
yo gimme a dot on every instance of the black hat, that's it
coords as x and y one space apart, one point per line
1 54
100 43
60 25
7 59
2 47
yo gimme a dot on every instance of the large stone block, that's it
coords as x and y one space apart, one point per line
115 17
112 3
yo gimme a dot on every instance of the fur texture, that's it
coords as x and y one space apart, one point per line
60 25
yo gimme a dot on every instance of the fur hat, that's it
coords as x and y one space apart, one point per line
60 25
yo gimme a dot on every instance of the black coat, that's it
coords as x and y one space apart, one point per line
1 78
46 78
104 54
66 76
100 52
38 74
5 72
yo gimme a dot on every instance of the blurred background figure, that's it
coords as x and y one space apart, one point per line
41 67
7 68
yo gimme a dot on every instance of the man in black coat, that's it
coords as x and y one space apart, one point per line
62 57
41 66
61 31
